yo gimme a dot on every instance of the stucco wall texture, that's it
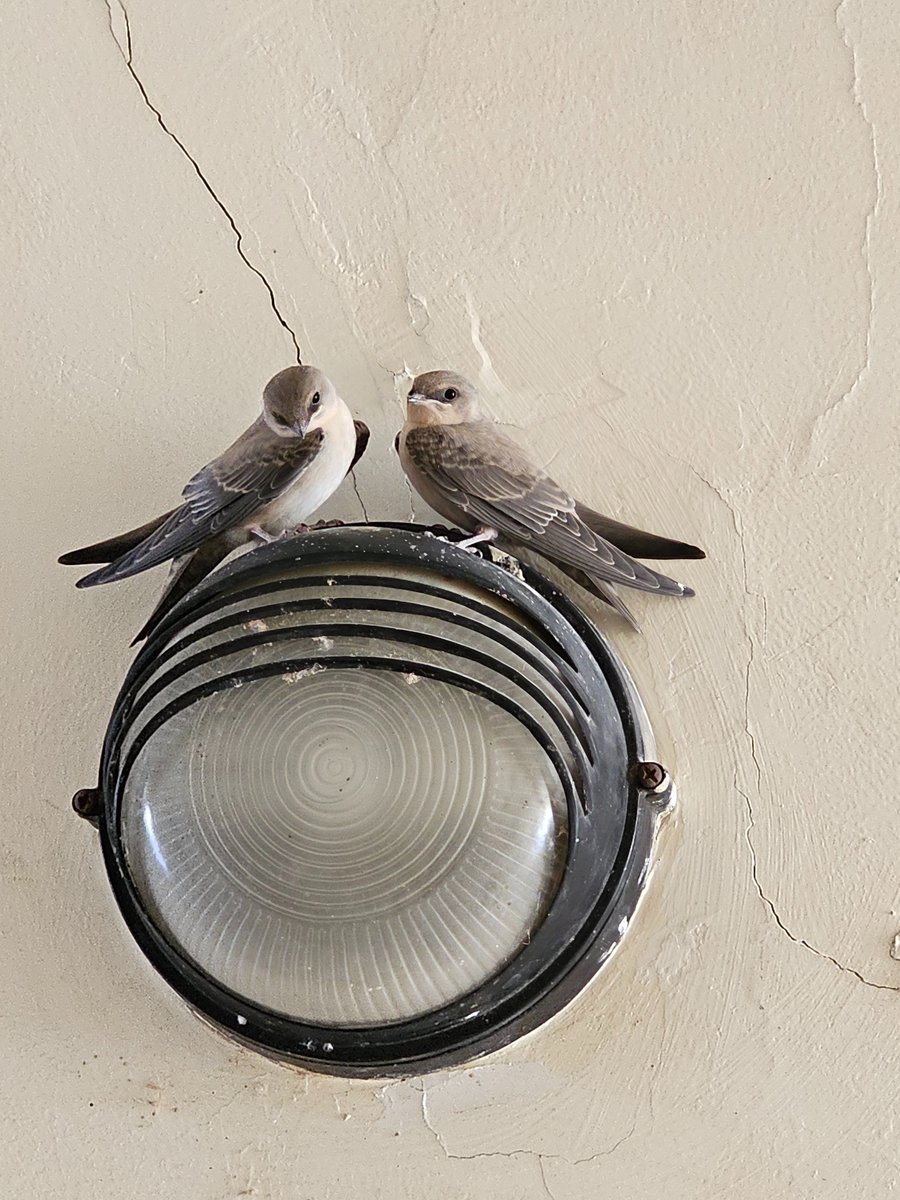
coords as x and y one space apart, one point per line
666 239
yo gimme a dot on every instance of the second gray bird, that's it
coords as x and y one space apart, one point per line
467 470
265 485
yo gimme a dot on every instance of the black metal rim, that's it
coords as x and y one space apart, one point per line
599 890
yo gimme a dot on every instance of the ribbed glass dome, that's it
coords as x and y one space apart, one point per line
345 845
334 807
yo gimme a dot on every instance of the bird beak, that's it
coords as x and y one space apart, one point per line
300 427
417 398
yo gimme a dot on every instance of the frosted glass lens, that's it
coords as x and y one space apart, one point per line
345 846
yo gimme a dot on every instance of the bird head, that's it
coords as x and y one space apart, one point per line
442 398
297 400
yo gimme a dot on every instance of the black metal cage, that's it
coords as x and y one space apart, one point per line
389 603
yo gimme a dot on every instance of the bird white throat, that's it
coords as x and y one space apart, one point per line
321 478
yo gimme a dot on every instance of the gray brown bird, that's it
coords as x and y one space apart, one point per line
264 486
467 470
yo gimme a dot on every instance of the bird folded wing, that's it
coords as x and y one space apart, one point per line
362 440
637 543
223 495
490 477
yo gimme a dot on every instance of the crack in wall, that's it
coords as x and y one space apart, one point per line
544 1183
800 941
362 504
754 754
536 1154
127 53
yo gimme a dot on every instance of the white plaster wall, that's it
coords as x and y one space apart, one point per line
666 236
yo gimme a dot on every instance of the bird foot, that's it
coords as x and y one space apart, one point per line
334 524
266 538
256 531
484 533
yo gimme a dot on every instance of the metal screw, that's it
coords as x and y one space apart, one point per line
86 803
651 776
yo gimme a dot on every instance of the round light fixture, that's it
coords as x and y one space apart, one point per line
373 803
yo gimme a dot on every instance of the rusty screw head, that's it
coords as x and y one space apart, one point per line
86 803
651 776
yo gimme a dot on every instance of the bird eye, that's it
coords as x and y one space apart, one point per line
283 422
314 403
451 394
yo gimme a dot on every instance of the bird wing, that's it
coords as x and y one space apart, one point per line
637 543
488 476
114 547
223 495
186 573
362 440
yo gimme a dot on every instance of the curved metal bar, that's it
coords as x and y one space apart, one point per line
580 746
376 604
346 662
